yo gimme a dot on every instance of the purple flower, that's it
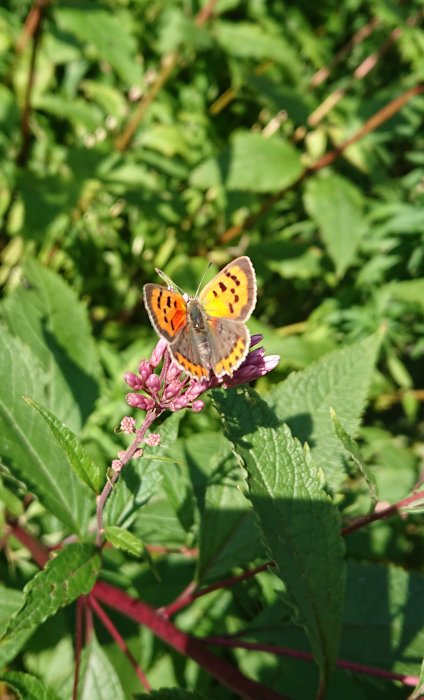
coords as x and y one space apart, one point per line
173 389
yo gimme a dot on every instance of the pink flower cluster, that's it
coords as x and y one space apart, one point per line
173 389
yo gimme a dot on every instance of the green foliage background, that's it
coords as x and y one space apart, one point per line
240 146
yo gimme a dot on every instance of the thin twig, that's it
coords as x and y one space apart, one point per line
235 642
168 63
370 125
365 67
39 10
115 634
149 418
364 32
382 514
190 594
225 672
31 24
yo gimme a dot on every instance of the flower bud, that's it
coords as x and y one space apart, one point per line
153 383
128 425
139 401
145 369
132 380
153 440
197 406
158 352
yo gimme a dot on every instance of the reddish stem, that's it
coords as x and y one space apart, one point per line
227 674
189 594
306 656
385 513
38 551
114 633
81 603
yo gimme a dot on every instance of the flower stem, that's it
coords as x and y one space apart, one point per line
150 417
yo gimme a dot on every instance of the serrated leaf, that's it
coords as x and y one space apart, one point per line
76 455
340 380
300 525
352 447
27 686
27 446
139 480
71 573
252 163
45 313
336 205
10 602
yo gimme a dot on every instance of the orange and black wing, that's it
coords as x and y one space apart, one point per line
167 310
232 292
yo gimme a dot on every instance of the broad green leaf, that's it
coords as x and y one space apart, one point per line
139 479
73 449
124 539
384 618
229 535
252 163
71 573
336 205
98 678
27 447
352 447
411 291
45 313
300 526
10 602
27 686
339 380
110 34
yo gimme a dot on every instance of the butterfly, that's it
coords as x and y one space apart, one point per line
206 332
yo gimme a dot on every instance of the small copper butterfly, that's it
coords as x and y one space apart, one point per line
207 332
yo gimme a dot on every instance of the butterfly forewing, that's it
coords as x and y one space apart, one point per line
232 292
167 310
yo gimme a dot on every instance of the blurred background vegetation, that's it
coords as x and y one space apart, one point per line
138 134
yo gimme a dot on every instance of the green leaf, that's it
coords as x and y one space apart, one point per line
411 291
252 163
340 380
27 446
300 525
123 539
229 535
336 206
98 679
71 573
28 687
352 448
419 690
384 617
44 312
10 602
109 34
76 455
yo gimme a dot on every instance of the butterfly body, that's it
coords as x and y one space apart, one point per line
207 333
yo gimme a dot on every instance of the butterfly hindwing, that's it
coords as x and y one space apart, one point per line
191 353
232 292
229 343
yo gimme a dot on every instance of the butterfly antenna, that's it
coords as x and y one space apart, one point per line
169 283
203 277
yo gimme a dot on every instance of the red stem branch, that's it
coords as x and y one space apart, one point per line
120 641
305 656
381 514
227 674
190 594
